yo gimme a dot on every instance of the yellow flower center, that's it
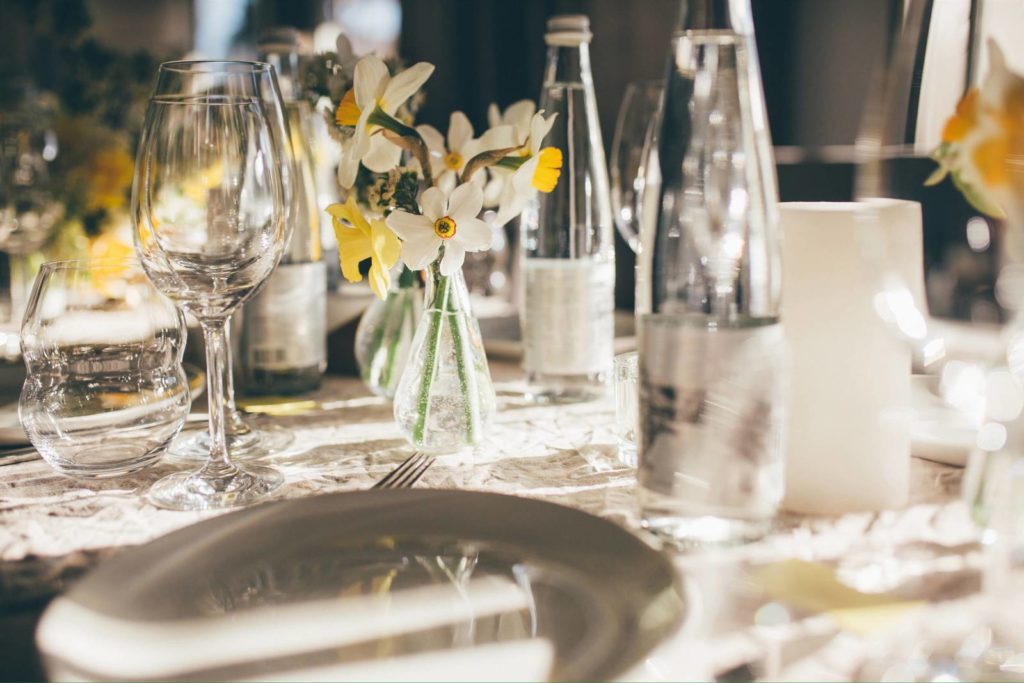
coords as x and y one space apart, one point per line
444 227
453 161
549 167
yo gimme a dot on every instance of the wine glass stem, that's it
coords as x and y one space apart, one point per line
214 335
233 424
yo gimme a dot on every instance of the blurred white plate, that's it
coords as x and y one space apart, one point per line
937 431
372 584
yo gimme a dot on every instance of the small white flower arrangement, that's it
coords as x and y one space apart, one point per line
434 217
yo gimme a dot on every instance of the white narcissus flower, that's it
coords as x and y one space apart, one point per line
375 91
518 115
448 160
448 220
539 171
516 118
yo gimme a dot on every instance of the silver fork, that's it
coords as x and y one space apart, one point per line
406 474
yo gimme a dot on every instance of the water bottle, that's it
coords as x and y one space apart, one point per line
708 292
568 257
284 328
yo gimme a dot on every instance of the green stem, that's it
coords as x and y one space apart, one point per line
395 337
378 337
465 376
430 361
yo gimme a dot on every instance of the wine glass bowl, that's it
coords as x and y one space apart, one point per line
209 203
105 390
631 147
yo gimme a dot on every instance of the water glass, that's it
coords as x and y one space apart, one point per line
105 390
624 373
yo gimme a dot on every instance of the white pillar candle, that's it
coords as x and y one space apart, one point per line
848 438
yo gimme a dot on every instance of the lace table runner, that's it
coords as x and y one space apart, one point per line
53 528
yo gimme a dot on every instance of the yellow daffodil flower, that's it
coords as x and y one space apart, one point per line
983 142
360 239
110 176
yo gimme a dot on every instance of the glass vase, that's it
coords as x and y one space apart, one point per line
445 398
386 332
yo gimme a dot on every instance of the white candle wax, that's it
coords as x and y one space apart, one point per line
848 438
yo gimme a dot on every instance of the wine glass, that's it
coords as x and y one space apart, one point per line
29 210
959 311
210 226
630 151
243 440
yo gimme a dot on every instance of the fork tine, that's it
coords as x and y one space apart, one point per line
414 474
393 474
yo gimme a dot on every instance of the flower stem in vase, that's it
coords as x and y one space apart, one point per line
467 380
430 361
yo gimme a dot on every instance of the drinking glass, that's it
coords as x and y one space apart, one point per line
631 148
29 210
243 440
105 391
210 226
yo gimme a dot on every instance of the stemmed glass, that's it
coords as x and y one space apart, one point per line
631 148
243 440
29 210
210 226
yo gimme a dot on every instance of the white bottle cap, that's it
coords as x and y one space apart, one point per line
568 30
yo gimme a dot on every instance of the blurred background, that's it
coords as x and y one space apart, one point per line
97 58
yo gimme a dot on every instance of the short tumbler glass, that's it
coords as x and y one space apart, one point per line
105 390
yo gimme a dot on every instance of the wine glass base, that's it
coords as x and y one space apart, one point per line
192 491
194 445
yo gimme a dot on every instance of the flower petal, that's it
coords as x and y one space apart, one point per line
460 131
353 249
445 181
409 225
493 115
432 136
473 235
404 85
382 156
380 279
465 202
433 204
385 244
370 79
519 113
420 251
539 128
498 137
454 255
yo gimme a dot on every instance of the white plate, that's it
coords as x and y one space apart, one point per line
937 431
451 585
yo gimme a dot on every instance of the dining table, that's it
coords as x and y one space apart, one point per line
810 601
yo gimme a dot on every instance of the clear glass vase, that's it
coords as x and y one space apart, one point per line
445 398
386 332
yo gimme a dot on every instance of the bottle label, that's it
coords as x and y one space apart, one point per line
568 316
286 324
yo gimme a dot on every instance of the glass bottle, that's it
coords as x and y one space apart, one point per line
708 292
284 328
568 257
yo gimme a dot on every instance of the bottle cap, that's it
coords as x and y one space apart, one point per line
568 29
